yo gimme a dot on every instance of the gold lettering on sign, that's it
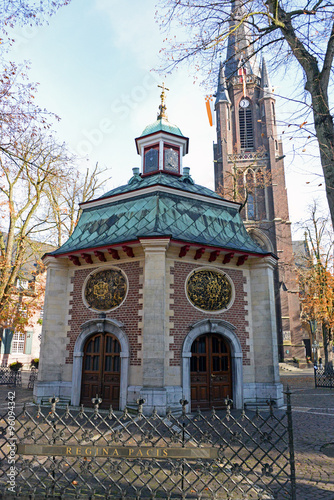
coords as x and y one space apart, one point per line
117 451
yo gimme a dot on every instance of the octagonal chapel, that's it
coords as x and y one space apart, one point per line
160 294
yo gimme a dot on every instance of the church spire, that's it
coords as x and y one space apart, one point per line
222 92
239 47
266 88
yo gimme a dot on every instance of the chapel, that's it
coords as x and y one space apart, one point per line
160 294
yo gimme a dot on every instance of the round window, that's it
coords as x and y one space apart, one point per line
209 290
105 290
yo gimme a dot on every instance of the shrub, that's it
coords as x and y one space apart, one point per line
34 363
16 366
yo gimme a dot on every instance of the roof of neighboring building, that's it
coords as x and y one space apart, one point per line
178 212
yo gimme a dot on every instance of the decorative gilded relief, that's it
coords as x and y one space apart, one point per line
106 289
209 290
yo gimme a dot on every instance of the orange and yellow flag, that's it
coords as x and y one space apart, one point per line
210 109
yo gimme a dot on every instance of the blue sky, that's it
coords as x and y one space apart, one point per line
93 62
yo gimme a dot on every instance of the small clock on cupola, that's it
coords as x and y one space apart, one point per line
162 144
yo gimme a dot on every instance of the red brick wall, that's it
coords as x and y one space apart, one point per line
186 315
127 313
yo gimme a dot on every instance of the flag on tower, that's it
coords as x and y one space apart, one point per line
210 109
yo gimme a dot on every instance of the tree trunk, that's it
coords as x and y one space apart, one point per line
323 124
327 346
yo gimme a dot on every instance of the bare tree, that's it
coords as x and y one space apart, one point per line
316 278
295 33
34 162
32 12
64 197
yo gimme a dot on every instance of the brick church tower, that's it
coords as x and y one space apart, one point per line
249 168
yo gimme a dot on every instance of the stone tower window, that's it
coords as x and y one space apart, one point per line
250 188
255 189
273 111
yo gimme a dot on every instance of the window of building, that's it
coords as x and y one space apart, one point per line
260 185
151 158
262 111
23 284
246 127
274 114
18 343
250 190
250 207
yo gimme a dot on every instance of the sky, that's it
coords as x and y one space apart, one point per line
95 62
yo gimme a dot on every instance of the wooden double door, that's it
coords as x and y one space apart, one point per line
101 370
210 372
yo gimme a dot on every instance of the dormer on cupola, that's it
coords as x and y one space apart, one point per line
162 144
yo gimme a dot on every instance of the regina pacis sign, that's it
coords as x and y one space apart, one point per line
117 451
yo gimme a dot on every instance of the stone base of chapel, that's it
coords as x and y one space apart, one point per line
162 398
257 394
156 398
54 388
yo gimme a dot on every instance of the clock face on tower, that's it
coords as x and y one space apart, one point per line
171 162
244 103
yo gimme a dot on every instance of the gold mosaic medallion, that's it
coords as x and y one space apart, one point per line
209 290
106 289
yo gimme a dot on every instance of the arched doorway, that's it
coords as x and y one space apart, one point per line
223 329
210 371
101 370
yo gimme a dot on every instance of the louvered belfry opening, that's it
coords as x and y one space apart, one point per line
246 128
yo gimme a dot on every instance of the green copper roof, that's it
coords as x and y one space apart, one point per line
184 183
158 213
161 124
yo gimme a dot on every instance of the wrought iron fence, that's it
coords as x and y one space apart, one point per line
324 377
91 454
10 377
32 377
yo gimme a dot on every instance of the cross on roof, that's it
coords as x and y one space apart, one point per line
162 106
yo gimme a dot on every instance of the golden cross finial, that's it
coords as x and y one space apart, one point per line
162 106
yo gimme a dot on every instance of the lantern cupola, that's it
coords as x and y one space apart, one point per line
162 144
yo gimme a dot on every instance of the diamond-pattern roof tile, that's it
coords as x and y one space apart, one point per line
162 179
161 213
